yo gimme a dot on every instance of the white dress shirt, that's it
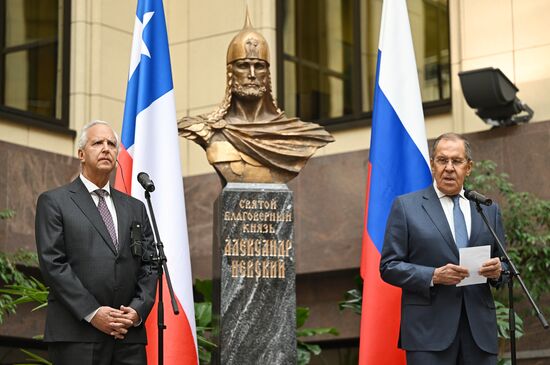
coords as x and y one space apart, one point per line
447 205
108 199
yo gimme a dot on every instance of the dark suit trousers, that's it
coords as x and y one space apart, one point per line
463 350
110 352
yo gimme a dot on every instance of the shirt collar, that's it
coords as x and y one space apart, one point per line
441 194
93 187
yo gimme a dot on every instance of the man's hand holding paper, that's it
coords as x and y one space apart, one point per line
478 261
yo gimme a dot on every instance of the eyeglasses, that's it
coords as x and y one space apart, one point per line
456 162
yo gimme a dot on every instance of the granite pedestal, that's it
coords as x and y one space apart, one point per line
254 300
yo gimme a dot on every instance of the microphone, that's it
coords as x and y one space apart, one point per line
136 235
477 197
146 182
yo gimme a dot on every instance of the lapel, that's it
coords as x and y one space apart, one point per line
122 208
84 201
477 224
433 208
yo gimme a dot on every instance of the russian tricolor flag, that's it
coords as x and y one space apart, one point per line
150 144
398 164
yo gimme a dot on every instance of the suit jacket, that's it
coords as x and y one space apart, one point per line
417 240
82 268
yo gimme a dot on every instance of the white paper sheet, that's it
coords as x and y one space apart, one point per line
472 258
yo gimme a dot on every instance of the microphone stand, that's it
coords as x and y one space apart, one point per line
512 272
160 260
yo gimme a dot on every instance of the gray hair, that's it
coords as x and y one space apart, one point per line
454 137
84 134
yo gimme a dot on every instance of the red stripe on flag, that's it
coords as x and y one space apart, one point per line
123 180
363 247
179 344
381 306
380 316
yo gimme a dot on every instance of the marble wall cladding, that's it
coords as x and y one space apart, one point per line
312 291
25 173
330 196
522 153
26 323
200 193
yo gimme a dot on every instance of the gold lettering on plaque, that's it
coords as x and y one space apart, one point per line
272 269
227 248
235 250
265 270
272 248
281 269
258 216
265 248
257 247
242 247
288 246
235 269
250 269
250 247
258 204
281 249
258 268
262 257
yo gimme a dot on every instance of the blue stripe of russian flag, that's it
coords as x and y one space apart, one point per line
398 166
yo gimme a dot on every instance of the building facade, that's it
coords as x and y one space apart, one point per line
66 62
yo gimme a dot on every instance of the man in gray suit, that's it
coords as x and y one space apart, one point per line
440 322
88 237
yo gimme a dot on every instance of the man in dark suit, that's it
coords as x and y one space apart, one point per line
440 322
101 288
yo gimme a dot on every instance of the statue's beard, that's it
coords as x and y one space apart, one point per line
248 91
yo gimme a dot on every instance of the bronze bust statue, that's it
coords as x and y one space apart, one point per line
248 138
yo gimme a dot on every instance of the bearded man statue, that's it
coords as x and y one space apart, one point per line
248 138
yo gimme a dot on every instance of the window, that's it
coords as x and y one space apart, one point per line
327 51
34 61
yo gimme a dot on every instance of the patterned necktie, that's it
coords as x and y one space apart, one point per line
461 234
106 215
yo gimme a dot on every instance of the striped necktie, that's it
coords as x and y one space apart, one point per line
106 215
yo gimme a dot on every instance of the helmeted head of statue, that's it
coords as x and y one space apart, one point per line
248 43
248 75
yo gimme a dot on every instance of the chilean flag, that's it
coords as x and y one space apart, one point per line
398 164
150 143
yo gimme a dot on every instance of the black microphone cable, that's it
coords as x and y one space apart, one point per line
122 176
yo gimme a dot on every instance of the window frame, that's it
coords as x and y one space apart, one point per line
358 116
28 118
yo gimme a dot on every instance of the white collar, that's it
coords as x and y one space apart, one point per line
440 194
93 187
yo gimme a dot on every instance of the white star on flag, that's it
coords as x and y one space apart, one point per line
138 44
